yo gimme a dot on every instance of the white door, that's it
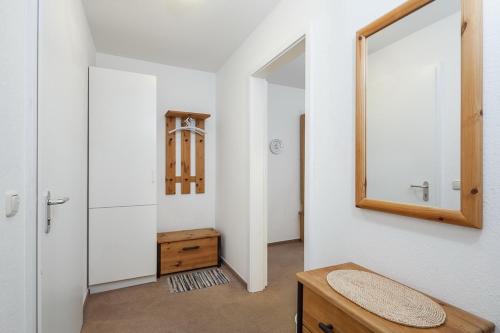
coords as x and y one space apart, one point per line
122 139
62 167
122 244
122 178
415 120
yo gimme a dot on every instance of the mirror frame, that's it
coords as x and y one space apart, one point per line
471 155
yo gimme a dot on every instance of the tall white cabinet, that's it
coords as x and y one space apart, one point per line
122 179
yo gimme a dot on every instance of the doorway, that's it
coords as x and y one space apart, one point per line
285 107
278 111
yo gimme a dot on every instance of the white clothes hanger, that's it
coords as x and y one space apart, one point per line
189 125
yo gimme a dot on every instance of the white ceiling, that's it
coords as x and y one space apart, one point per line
418 20
198 34
292 74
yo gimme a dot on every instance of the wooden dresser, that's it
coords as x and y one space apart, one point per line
186 250
322 310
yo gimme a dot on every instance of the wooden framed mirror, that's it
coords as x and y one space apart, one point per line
419 112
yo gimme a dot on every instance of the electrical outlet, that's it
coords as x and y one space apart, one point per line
11 203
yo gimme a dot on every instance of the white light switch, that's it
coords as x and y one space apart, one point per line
456 185
11 204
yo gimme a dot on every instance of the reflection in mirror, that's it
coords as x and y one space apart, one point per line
413 108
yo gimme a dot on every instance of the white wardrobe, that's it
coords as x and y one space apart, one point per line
122 179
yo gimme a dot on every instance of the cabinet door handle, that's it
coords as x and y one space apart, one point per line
190 248
326 328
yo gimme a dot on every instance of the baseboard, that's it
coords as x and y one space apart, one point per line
284 242
85 298
235 273
99 288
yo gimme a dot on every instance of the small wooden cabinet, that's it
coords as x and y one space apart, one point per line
322 310
186 250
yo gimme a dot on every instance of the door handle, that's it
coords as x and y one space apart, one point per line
191 248
48 204
57 201
326 328
425 188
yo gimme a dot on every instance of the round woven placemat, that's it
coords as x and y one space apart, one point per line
387 299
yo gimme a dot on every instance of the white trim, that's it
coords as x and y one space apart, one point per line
31 171
309 151
85 298
286 54
257 229
231 267
257 279
99 288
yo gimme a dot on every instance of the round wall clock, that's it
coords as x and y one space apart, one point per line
276 146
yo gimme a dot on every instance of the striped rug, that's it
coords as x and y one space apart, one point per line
178 283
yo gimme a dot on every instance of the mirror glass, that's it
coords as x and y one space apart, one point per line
413 108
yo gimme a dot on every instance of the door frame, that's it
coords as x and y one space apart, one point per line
258 167
31 176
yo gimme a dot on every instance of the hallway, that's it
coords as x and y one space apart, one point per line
228 308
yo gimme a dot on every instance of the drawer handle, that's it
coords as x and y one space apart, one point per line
190 248
178 263
326 328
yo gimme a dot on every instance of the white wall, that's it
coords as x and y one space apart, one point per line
16 164
185 90
18 159
285 24
453 263
426 255
285 105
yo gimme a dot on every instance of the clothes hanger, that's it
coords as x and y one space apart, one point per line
189 125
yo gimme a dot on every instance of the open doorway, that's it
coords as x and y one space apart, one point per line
277 194
285 133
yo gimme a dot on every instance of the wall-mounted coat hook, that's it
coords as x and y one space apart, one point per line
193 122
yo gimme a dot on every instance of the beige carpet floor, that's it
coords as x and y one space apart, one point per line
151 308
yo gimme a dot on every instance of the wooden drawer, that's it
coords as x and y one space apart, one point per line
188 254
317 310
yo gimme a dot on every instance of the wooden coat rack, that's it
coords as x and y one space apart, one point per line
185 178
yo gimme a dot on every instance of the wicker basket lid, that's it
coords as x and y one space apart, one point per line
387 299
